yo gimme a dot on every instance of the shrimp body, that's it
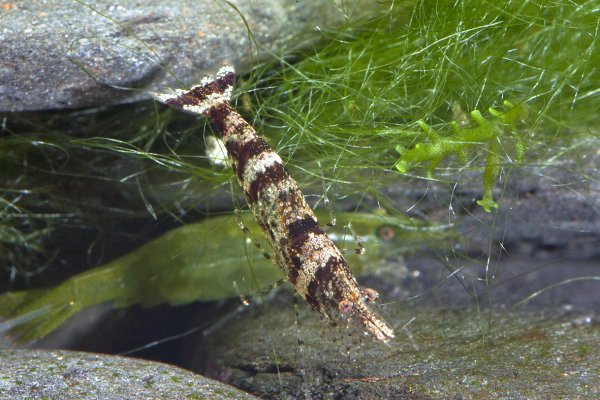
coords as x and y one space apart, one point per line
204 261
308 258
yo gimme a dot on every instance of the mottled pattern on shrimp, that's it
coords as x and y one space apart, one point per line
309 259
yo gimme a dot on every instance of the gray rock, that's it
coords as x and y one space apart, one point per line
545 212
57 54
38 374
462 355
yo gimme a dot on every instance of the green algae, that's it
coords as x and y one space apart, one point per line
336 112
368 91
463 140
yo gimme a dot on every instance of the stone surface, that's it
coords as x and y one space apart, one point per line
545 212
462 354
57 54
39 374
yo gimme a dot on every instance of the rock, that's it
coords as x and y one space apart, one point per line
39 374
545 212
58 55
461 356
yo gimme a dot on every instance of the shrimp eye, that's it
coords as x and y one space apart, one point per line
345 306
386 232
370 295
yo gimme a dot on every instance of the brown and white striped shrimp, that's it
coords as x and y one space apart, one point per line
309 259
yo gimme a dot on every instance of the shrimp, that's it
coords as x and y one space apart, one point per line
198 262
301 249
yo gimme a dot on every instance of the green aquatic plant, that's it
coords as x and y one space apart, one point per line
22 235
208 260
350 102
465 140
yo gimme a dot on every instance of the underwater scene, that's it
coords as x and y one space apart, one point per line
450 151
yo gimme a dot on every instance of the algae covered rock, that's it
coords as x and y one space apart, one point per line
60 55
520 355
40 374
